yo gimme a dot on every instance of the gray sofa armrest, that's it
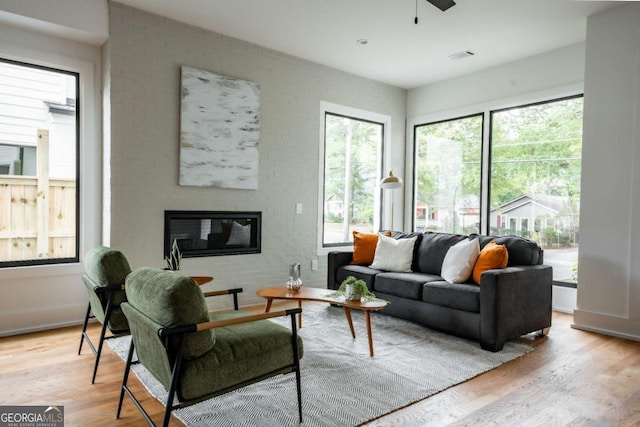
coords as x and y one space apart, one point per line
514 301
336 259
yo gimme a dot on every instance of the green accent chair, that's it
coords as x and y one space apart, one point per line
105 270
196 355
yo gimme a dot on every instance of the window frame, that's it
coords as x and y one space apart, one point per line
77 117
86 60
361 115
414 187
486 109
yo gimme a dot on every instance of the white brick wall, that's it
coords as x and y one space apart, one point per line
144 57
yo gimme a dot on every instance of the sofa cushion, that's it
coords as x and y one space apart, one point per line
433 248
394 254
459 296
521 251
359 272
364 247
405 285
491 256
459 261
418 236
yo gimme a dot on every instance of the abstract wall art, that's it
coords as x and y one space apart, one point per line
219 130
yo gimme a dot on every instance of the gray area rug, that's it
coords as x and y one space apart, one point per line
341 384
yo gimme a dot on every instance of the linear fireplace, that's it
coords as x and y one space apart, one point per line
212 233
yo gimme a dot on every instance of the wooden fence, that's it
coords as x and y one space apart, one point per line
37 214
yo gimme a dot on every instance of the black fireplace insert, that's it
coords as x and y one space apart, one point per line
212 233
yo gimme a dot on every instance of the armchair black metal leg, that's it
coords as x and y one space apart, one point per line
296 363
84 328
98 352
125 379
299 390
103 331
175 374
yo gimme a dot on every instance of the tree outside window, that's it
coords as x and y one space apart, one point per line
536 153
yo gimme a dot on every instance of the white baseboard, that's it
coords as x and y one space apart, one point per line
24 322
38 328
564 299
615 326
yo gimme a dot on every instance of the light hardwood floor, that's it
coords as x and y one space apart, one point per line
572 378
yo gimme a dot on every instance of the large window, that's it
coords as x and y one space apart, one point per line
531 189
536 153
352 147
38 165
447 175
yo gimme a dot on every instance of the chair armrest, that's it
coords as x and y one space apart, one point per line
514 301
201 280
108 288
163 332
234 292
246 319
336 259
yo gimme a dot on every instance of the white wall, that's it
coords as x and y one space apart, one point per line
79 20
43 297
145 53
609 275
540 73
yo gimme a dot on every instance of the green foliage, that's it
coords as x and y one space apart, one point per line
353 287
537 150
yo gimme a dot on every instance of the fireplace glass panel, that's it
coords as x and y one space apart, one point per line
211 233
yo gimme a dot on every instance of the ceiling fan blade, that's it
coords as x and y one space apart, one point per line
442 4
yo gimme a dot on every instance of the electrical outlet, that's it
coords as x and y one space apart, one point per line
314 264
298 208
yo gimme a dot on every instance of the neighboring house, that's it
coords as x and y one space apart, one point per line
441 216
32 99
334 207
536 213
38 141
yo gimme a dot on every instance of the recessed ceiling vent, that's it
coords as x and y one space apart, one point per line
461 55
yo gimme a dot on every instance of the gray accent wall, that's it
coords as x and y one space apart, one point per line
143 59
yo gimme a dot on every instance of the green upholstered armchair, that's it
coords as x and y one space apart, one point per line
197 355
105 270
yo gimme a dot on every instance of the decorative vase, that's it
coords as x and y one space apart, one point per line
295 282
352 294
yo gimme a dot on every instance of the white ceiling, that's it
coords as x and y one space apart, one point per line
398 51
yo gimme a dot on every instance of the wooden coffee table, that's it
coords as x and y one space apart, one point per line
318 294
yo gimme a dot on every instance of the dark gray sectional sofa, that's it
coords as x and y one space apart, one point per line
508 303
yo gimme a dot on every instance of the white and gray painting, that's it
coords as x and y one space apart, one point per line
219 130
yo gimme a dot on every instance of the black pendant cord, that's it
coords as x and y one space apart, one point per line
416 20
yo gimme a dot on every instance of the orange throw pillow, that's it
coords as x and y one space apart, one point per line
364 247
491 256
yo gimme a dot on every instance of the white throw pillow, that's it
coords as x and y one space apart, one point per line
459 261
393 255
